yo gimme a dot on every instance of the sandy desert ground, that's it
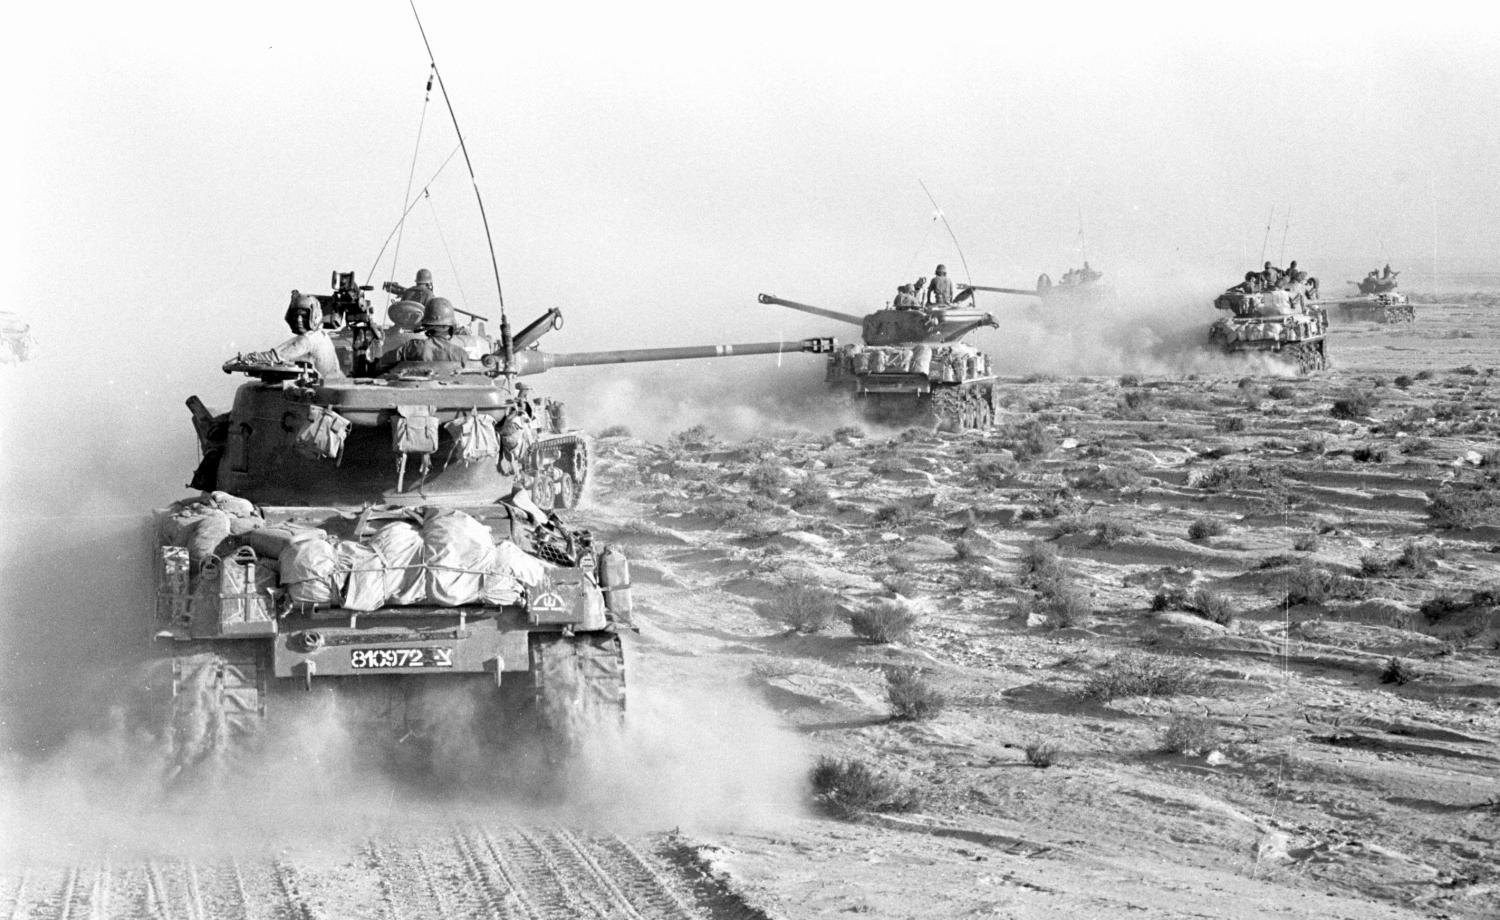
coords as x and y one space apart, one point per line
1223 645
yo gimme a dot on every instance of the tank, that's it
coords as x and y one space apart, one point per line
912 367
1077 287
1379 301
16 341
393 537
1287 323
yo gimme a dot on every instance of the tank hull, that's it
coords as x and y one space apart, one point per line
1378 308
1287 325
948 387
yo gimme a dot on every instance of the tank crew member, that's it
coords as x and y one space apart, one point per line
1088 275
1270 275
1388 272
309 342
905 299
420 291
940 289
438 322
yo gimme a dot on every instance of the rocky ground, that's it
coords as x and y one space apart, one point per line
1223 646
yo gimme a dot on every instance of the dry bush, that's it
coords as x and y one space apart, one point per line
1397 672
768 478
1366 454
1039 562
811 492
1229 424
902 583
1130 380
1468 370
1282 391
884 620
1353 405
912 698
848 433
698 437
1042 753
1424 375
1306 543
1142 675
1442 607
1029 441
1463 507
1110 531
894 514
994 471
1203 528
849 788
1188 402
1110 477
801 606
1240 477
1191 735
1211 606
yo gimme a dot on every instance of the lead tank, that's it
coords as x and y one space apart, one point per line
1287 323
375 537
912 366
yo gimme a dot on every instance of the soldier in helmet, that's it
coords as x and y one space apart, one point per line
304 316
940 288
420 292
438 321
906 299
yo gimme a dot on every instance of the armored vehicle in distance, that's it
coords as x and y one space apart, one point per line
1379 301
16 341
1287 323
1077 287
912 365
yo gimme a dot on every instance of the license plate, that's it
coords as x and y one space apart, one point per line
379 658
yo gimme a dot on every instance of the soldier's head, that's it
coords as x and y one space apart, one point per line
940 270
1268 266
424 278
904 289
304 314
438 317
1292 267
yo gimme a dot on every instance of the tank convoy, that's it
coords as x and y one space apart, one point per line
387 529
911 365
1275 313
16 341
1379 301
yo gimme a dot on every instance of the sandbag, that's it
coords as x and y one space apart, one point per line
400 545
272 540
459 553
500 590
208 533
366 575
309 572
921 359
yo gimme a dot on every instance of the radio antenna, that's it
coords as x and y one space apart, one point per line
951 234
443 85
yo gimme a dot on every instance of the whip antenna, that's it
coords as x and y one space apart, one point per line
1267 241
412 173
950 232
442 85
424 193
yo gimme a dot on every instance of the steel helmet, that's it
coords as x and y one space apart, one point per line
307 309
439 312
941 270
424 277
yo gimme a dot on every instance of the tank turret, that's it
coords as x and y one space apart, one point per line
1379 301
16 341
912 365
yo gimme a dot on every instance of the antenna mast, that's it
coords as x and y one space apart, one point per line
951 234
442 85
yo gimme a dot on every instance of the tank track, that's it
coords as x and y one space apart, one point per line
561 470
962 408
578 684
1309 357
214 705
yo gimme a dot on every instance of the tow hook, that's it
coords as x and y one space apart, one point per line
310 640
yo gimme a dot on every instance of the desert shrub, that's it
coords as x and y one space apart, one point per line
1042 753
1282 391
1439 608
615 431
1228 424
1353 405
847 433
1189 402
1039 562
1190 735
1372 566
1462 507
1240 476
1109 531
768 478
1468 370
1142 675
1109 477
1203 528
698 437
884 620
1169 599
1307 584
848 788
994 470
811 492
1130 380
1062 604
902 583
1368 454
1424 375
1403 381
1397 672
1306 543
896 514
911 697
1030 440
1419 558
1211 606
801 606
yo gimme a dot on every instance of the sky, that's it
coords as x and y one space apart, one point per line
175 169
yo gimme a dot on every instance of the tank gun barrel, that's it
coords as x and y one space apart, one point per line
815 311
536 362
998 290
